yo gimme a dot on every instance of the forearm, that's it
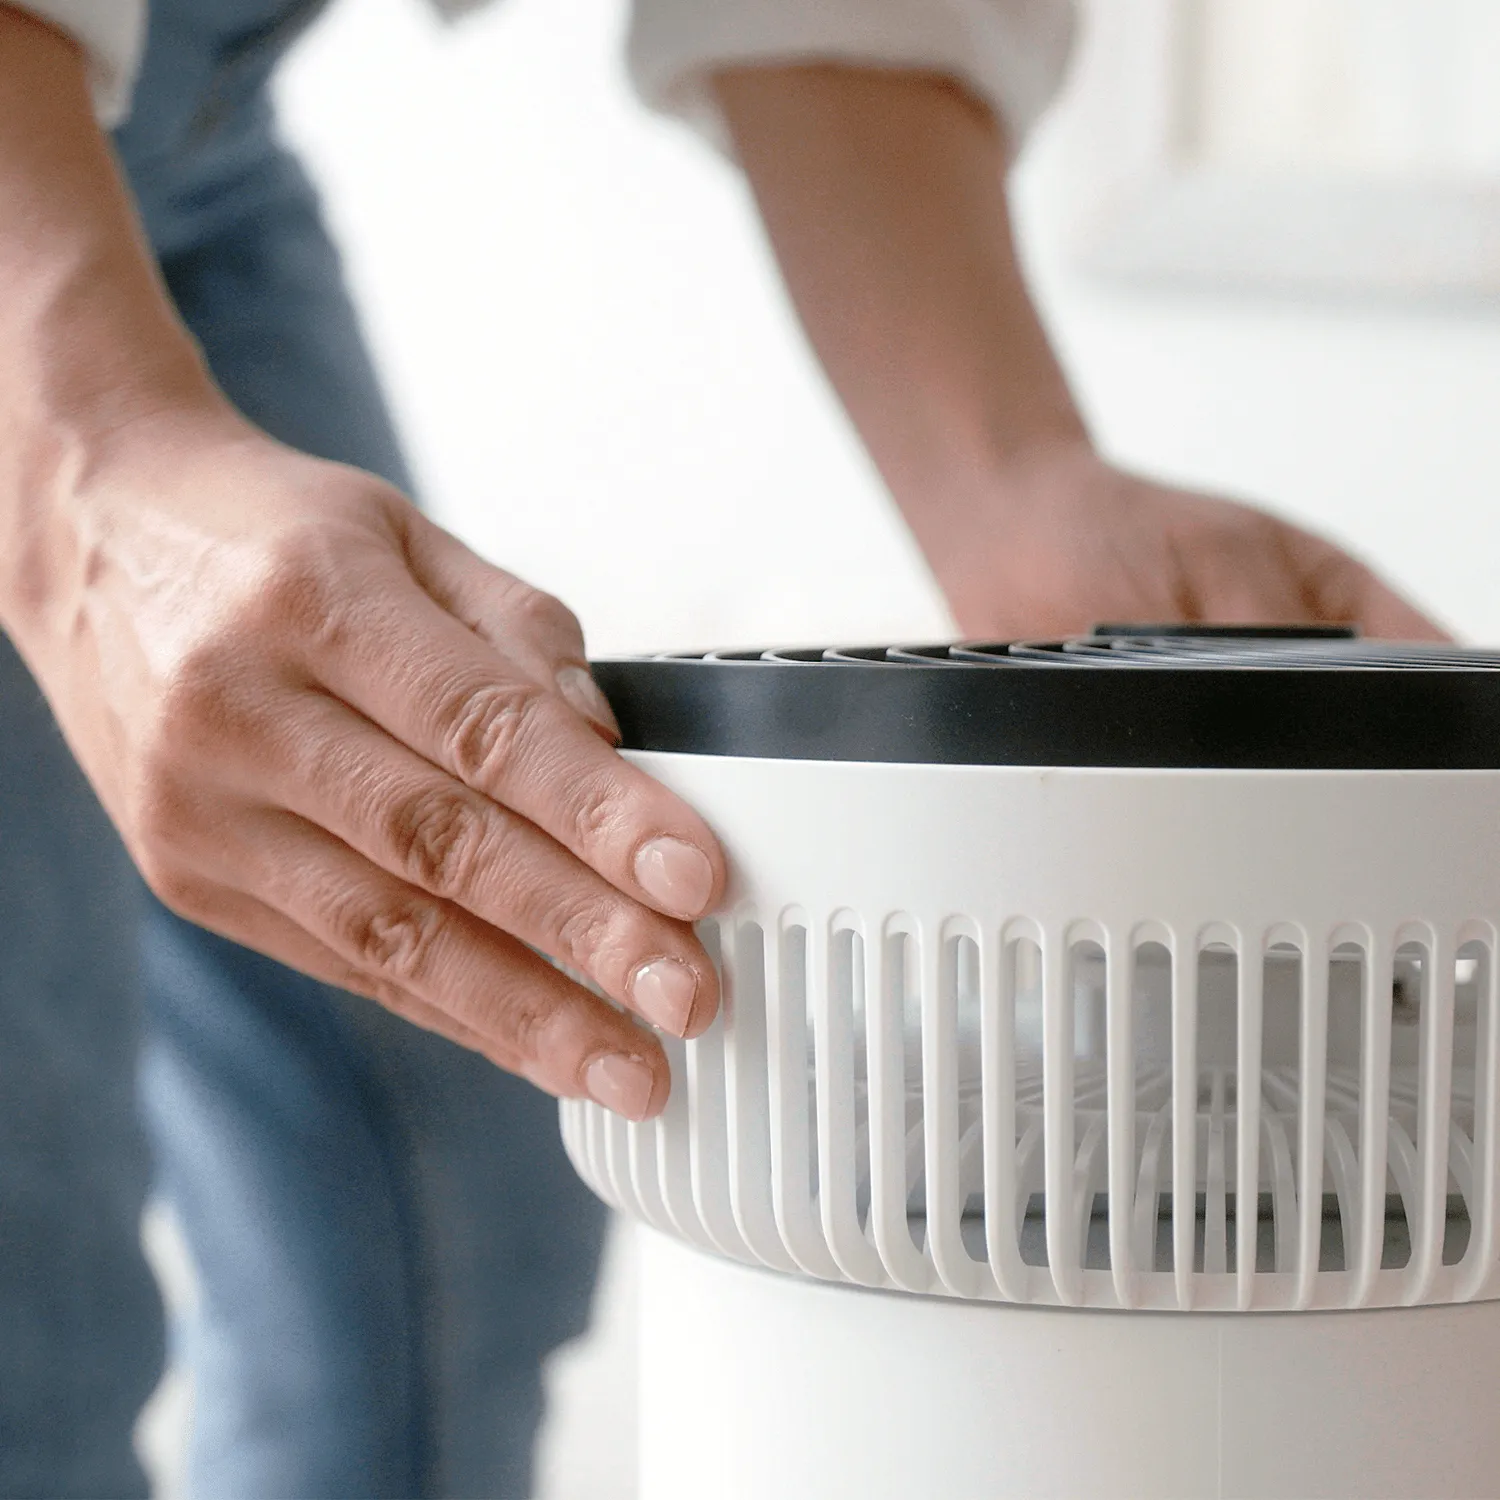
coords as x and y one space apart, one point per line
88 340
883 194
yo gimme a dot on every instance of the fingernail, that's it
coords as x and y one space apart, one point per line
583 694
620 1083
663 992
676 875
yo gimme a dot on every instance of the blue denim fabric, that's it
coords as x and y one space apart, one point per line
80 1321
388 1237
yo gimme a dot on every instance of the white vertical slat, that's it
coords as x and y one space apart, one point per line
1484 1205
944 1194
676 1153
646 1173
833 1070
1435 1102
743 965
616 1132
1312 1094
569 1124
593 1147
1057 1117
1120 1106
1374 1111
1249 1041
997 1063
1184 954
885 1064
791 1133
708 1137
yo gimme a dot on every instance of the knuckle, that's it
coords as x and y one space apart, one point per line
588 933
301 590
212 698
545 614
437 837
485 728
175 887
597 810
392 942
197 696
526 1020
160 811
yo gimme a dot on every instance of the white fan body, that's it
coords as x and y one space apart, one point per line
1102 1045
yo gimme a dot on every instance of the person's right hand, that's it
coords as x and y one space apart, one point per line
1070 541
329 731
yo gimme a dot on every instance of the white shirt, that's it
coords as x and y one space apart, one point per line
1011 53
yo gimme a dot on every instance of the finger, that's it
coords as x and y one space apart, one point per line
1238 577
403 945
536 631
434 685
340 772
1344 588
243 919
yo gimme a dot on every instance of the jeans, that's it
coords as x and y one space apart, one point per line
388 1238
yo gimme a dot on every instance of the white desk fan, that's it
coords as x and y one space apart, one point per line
1105 1099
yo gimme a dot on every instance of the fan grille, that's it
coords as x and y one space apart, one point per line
1217 650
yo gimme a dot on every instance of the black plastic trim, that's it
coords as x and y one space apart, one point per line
1372 708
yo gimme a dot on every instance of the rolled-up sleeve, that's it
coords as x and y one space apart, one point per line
112 33
1010 53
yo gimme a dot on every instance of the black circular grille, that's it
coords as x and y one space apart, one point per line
1212 697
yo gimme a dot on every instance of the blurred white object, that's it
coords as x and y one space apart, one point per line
1314 145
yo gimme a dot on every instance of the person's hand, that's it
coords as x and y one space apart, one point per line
883 192
1070 542
329 731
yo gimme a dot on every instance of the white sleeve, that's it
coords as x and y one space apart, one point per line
1011 53
112 33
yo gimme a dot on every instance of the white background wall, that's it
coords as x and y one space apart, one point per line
603 389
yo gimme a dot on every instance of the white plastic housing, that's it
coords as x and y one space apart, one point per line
1021 1034
754 1385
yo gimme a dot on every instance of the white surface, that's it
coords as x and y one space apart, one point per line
756 1385
1368 86
1333 146
589 1445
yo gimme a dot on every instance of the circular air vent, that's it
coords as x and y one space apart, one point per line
1157 696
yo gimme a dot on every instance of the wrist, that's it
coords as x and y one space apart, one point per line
67 464
970 497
